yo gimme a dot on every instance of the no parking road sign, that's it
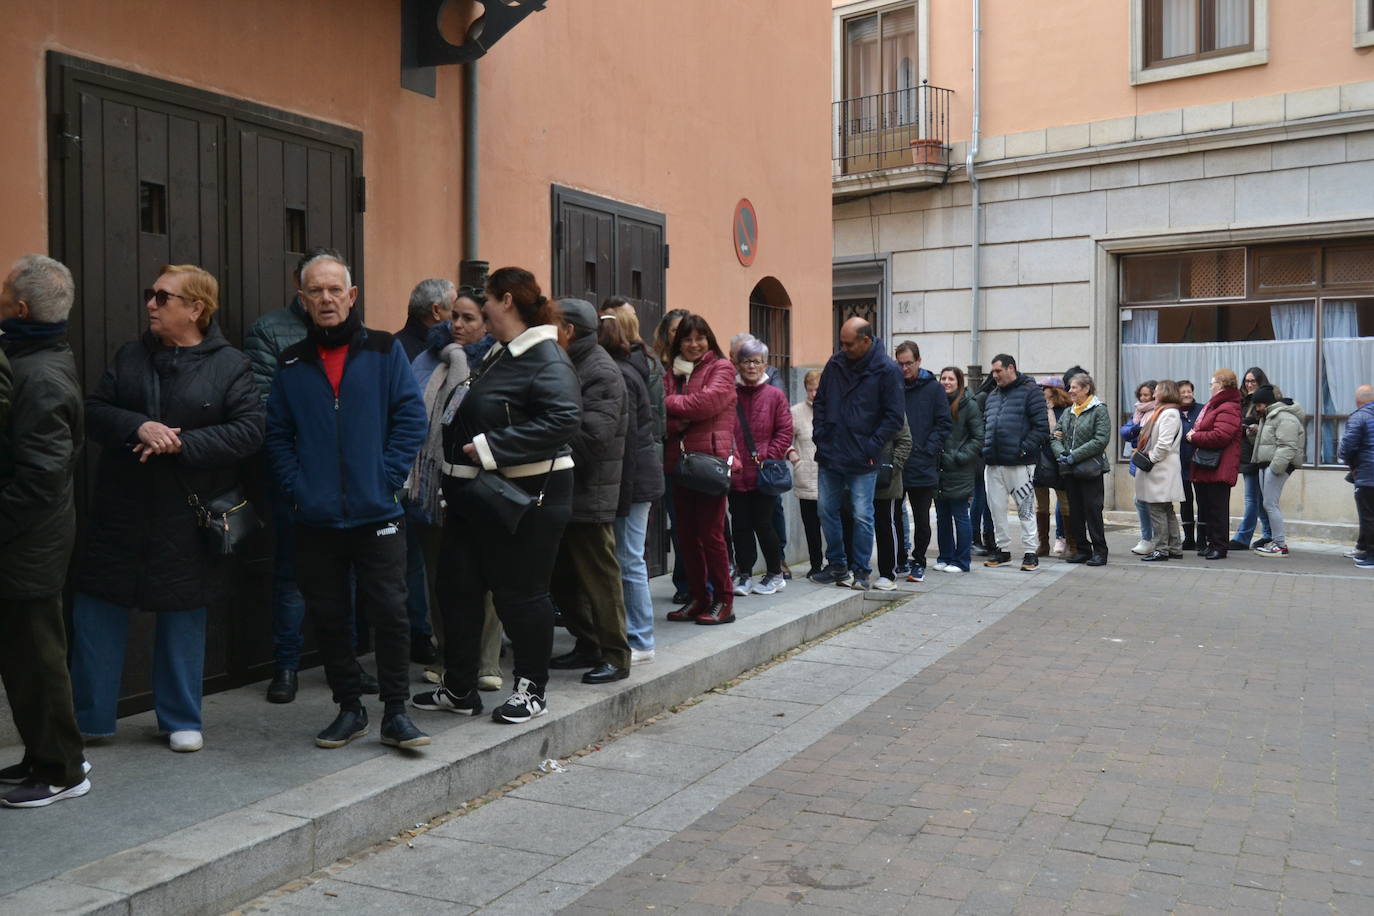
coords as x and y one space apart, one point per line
746 232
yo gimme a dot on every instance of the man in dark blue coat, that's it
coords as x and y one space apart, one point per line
1018 423
927 413
344 423
1357 451
858 408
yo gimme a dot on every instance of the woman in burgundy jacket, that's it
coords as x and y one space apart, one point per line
1217 427
769 416
699 389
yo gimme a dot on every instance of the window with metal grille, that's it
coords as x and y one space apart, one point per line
1183 30
770 320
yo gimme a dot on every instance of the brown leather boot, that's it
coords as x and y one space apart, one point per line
688 612
1042 525
718 612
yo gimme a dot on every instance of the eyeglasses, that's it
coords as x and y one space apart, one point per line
752 362
161 296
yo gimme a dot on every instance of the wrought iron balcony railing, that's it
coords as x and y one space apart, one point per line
904 127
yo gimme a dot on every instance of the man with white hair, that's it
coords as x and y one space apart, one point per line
40 441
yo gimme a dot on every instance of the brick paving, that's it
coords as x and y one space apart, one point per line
1145 738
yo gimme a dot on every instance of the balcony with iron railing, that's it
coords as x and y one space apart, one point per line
896 138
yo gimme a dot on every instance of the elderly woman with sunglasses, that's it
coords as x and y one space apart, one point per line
175 414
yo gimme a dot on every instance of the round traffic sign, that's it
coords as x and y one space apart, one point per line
746 232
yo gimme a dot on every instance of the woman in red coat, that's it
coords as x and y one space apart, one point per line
1217 427
764 407
700 400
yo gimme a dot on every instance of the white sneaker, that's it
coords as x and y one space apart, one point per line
185 742
1060 545
743 585
768 585
1143 548
939 567
951 568
487 682
641 656
884 584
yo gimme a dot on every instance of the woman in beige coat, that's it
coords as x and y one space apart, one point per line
805 474
1161 438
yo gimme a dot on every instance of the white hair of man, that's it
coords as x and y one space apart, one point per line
348 274
46 285
427 294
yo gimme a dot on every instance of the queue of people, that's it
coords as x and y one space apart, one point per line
488 472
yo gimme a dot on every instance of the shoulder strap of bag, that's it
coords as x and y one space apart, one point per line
748 434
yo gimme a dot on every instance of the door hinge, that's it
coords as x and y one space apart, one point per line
665 256
360 193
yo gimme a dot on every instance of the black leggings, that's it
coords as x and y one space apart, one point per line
1214 511
751 517
479 555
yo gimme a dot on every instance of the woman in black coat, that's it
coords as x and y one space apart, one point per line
175 414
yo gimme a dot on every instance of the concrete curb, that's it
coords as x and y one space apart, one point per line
211 866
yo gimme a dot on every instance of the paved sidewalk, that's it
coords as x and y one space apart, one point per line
549 841
1186 737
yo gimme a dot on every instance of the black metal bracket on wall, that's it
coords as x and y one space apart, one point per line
431 49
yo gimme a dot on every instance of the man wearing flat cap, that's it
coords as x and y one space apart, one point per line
586 577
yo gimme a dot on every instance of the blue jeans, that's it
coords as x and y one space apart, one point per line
1142 512
100 631
954 532
1254 511
833 484
288 607
903 534
630 533
980 518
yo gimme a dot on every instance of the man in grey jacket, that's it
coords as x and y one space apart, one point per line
586 576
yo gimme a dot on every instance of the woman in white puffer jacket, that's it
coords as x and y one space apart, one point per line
805 474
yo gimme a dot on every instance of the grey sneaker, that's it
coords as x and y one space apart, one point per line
769 585
859 583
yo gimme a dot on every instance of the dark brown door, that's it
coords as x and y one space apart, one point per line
146 173
606 248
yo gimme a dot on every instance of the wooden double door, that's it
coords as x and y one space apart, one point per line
144 173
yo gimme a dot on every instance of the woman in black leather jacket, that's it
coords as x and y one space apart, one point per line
515 419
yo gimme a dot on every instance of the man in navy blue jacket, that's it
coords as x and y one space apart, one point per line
1017 424
927 413
344 423
1357 451
858 408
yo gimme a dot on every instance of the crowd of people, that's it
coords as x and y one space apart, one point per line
488 472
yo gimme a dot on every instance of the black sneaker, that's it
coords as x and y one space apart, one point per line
997 558
399 731
35 794
18 774
441 699
523 705
347 725
1030 561
283 687
833 575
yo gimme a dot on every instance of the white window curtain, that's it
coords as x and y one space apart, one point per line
1347 363
1179 27
1233 22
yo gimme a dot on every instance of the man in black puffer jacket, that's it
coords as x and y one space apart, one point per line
586 576
1017 425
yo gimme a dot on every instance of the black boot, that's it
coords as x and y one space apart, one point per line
283 686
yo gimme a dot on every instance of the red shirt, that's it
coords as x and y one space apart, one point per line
333 361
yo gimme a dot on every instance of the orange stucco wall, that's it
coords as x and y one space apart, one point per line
1050 64
679 107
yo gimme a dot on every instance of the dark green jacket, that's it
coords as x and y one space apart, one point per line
959 457
40 443
1085 436
272 334
896 453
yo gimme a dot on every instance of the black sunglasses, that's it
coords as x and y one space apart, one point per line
161 295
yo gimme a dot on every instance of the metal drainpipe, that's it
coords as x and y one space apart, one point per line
470 220
975 342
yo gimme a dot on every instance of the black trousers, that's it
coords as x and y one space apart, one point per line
1214 510
478 555
33 666
885 535
1085 514
1364 510
375 555
920 499
751 518
811 524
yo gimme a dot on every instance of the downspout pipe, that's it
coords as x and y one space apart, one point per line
472 271
975 203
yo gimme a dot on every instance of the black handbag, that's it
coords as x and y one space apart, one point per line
225 521
1142 461
501 498
1093 467
702 472
1207 457
775 475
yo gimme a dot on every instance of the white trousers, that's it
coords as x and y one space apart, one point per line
1015 481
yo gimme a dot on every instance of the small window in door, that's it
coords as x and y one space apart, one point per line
295 230
152 208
